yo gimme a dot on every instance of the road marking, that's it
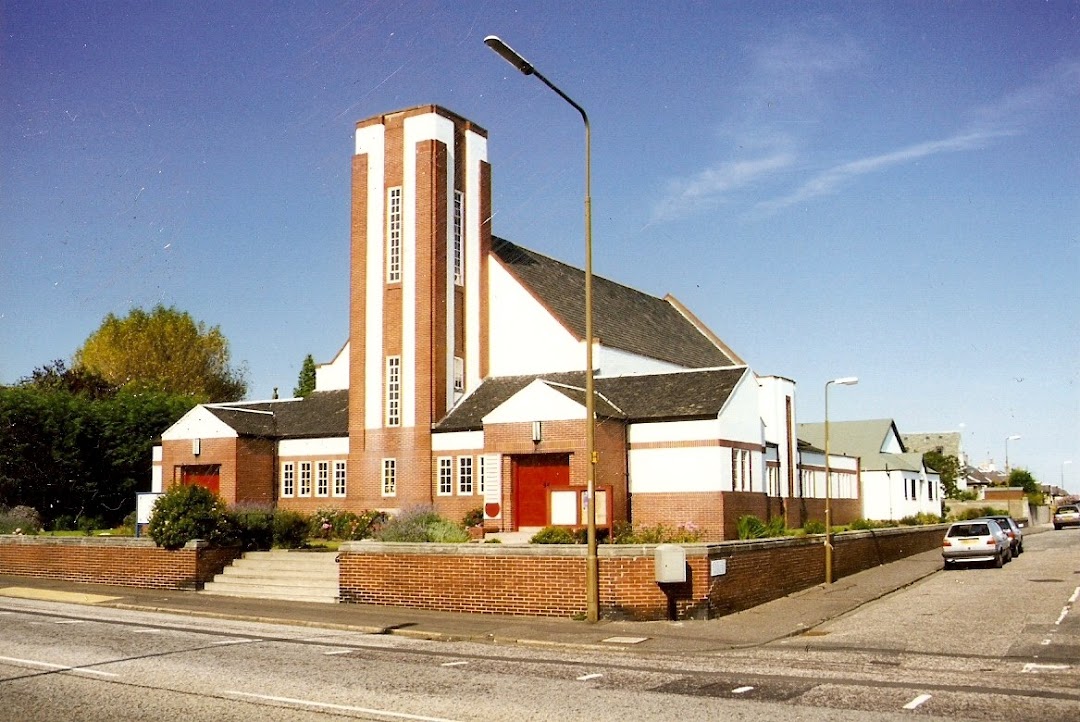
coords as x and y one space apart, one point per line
69 621
233 641
338 707
57 667
1075 595
147 630
1045 642
741 690
1035 667
453 664
338 651
587 677
1061 617
915 703
624 640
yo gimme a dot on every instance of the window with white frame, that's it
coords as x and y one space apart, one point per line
389 477
459 238
446 475
304 489
340 478
465 475
393 235
393 390
288 479
740 470
459 375
774 481
322 478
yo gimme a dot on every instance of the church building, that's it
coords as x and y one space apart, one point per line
461 384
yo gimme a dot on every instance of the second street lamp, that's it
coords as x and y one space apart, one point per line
845 381
592 569
1014 437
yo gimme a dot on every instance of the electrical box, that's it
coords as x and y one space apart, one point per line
670 564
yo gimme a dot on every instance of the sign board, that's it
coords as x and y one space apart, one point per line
491 479
717 567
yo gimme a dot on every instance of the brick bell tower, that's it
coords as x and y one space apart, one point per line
418 317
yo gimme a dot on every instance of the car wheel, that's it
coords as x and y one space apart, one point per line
1057 527
949 565
999 560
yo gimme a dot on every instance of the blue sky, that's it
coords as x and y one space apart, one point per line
886 190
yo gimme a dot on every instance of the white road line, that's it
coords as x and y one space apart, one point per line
453 664
57 667
587 677
1075 595
233 641
1034 667
741 690
1061 617
70 621
1045 642
338 707
147 630
338 651
915 703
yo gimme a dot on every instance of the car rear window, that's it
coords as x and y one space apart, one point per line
969 530
1071 509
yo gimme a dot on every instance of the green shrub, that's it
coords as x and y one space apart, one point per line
581 535
776 527
473 517
862 524
127 526
623 533
979 512
750 527
421 524
254 525
814 527
493 540
334 523
188 512
19 519
290 529
553 535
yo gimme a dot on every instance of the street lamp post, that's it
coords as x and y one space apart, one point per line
1014 437
1063 464
845 381
592 570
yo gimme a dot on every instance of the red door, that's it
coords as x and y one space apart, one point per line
208 475
533 475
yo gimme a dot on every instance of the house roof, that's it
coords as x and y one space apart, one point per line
694 394
947 441
864 439
623 318
322 414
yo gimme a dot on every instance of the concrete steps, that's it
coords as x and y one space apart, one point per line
298 576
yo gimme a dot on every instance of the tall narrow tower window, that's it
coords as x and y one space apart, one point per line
459 234
393 390
393 235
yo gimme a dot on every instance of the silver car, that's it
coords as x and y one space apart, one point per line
977 540
1012 530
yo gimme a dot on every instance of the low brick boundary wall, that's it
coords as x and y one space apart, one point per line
123 562
549 580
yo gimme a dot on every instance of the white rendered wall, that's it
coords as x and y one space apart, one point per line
689 469
891 444
334 376
667 431
455 440
536 402
476 153
198 423
334 446
371 140
615 362
524 337
155 471
740 419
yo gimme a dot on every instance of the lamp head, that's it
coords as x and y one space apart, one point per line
1014 437
846 381
509 54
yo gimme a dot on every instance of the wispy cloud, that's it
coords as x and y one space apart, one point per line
831 179
710 187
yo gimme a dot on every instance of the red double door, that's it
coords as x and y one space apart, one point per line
208 475
533 476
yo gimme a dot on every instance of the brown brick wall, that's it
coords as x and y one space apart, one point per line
537 581
116 562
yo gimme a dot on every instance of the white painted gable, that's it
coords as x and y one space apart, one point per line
199 423
891 444
536 402
334 375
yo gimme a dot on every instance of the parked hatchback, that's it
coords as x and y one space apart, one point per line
1068 515
978 540
1012 530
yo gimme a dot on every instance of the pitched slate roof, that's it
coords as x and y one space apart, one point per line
695 394
948 441
863 439
623 318
322 414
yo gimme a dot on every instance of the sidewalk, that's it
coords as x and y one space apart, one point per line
786 617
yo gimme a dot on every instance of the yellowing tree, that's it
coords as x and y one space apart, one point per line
165 350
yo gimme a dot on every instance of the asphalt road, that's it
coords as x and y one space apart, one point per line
976 644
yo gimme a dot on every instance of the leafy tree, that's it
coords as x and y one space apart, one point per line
56 376
163 350
306 383
948 468
1024 479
